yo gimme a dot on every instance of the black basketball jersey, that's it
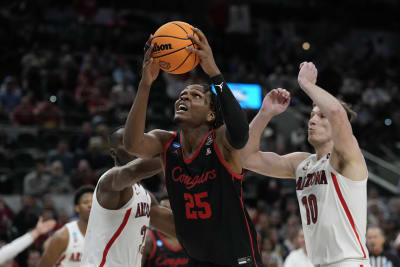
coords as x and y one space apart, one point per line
164 255
211 221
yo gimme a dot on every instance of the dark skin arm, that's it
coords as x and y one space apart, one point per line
162 218
148 248
57 245
115 189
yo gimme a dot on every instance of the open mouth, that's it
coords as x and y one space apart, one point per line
181 108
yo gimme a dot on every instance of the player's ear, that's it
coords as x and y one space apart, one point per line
211 116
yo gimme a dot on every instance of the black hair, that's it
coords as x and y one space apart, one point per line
113 138
164 197
81 191
215 106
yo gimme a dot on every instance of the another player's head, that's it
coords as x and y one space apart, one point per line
83 201
301 243
375 240
319 128
120 155
197 105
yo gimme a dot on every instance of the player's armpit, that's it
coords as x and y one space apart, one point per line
57 245
150 145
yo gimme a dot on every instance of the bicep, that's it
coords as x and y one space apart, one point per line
56 246
152 144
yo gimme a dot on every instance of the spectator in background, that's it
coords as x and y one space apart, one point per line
83 175
378 255
123 92
82 141
27 216
60 183
23 113
6 216
48 115
9 251
33 258
123 71
299 256
62 154
36 183
10 94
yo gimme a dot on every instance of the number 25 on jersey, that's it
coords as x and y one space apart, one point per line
196 206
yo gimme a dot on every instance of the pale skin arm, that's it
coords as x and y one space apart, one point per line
162 218
270 163
57 244
346 156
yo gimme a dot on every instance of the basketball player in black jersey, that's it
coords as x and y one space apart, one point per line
202 167
161 250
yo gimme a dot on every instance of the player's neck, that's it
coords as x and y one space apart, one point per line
323 149
192 137
82 225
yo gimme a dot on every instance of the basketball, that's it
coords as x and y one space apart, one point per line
169 50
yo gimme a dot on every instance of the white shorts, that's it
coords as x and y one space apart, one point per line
347 263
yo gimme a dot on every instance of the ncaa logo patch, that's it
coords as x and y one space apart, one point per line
176 145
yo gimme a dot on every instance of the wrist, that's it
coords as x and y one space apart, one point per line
266 114
304 83
144 85
35 234
214 72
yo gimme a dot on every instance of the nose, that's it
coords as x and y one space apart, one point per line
184 97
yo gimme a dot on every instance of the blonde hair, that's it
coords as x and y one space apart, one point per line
351 114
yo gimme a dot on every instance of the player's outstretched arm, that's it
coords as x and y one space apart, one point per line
269 163
57 244
136 141
119 178
161 218
236 125
346 151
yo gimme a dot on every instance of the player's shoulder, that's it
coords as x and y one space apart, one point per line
162 135
296 158
61 235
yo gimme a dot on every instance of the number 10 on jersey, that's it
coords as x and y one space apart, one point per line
310 203
203 209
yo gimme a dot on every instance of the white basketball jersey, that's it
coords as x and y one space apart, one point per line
72 256
114 238
333 212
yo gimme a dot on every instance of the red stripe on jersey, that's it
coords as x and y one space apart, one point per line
60 260
248 228
153 251
166 243
165 153
346 209
188 161
115 236
219 155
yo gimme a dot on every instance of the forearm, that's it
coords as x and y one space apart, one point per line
327 103
135 122
11 250
235 119
162 219
257 127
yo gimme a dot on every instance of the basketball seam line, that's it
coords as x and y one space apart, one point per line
195 55
181 63
171 37
180 27
171 52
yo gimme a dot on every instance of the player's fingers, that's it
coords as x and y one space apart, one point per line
302 64
149 51
201 35
194 50
195 40
148 43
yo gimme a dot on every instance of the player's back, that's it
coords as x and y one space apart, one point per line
333 210
114 237
163 254
211 221
72 255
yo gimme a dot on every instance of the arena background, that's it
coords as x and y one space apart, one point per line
69 70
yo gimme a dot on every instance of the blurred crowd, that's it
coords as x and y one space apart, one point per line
69 72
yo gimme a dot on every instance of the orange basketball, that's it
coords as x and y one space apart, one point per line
169 50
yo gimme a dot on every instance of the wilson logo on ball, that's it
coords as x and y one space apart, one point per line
162 47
